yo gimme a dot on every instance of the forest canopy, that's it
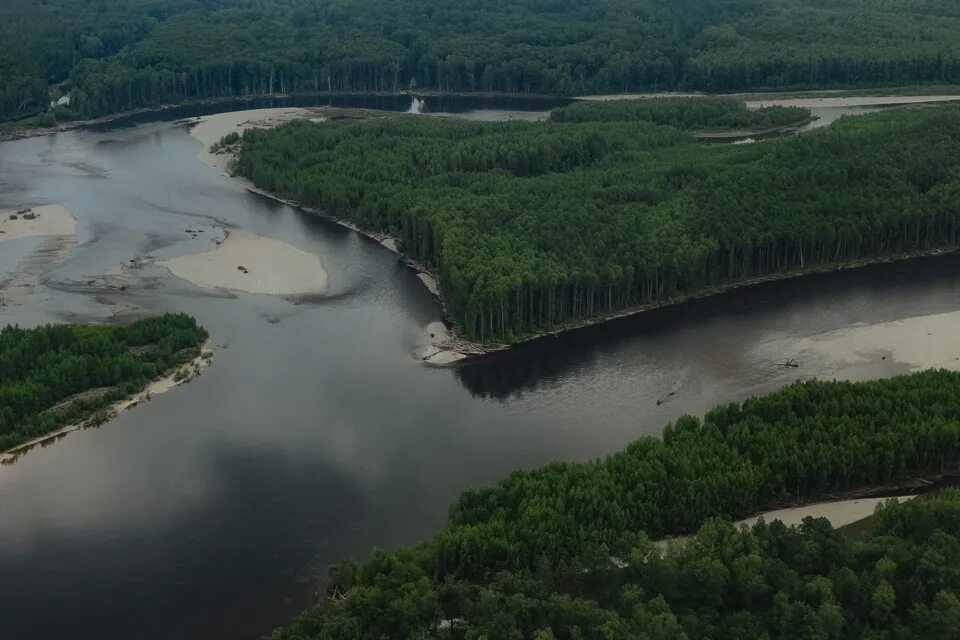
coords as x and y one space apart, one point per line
535 226
56 375
703 114
113 55
565 551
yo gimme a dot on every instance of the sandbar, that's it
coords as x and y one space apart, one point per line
862 350
252 264
44 220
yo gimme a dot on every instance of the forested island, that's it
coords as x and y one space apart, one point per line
534 227
58 375
565 551
108 56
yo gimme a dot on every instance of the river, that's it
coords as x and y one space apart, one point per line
214 510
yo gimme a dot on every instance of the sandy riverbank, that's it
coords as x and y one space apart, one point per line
252 264
185 372
43 220
211 129
839 513
438 346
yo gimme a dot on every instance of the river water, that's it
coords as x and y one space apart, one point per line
214 510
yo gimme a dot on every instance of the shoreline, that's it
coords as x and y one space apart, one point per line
194 369
933 91
455 348
462 348
70 125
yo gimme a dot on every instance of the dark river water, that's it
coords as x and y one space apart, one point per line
215 510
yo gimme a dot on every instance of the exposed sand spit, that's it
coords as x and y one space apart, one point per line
253 264
211 129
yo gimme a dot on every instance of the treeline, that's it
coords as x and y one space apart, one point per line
564 551
707 113
56 375
113 56
534 226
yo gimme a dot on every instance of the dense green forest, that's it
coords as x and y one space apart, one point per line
564 551
533 226
707 113
56 375
113 55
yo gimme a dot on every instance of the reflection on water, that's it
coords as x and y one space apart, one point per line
808 305
214 510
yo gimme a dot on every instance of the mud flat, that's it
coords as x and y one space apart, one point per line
252 264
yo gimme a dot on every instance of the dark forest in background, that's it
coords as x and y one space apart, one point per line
121 55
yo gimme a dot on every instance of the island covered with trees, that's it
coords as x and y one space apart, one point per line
58 375
565 551
110 56
605 207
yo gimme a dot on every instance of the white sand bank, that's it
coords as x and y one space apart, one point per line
186 372
754 101
268 266
44 220
211 129
438 347
921 342
839 513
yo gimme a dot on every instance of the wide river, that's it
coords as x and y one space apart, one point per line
215 510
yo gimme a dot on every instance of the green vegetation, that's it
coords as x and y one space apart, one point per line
699 114
534 226
112 56
564 551
57 375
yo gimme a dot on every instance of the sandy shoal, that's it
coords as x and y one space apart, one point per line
211 129
917 343
272 267
50 220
